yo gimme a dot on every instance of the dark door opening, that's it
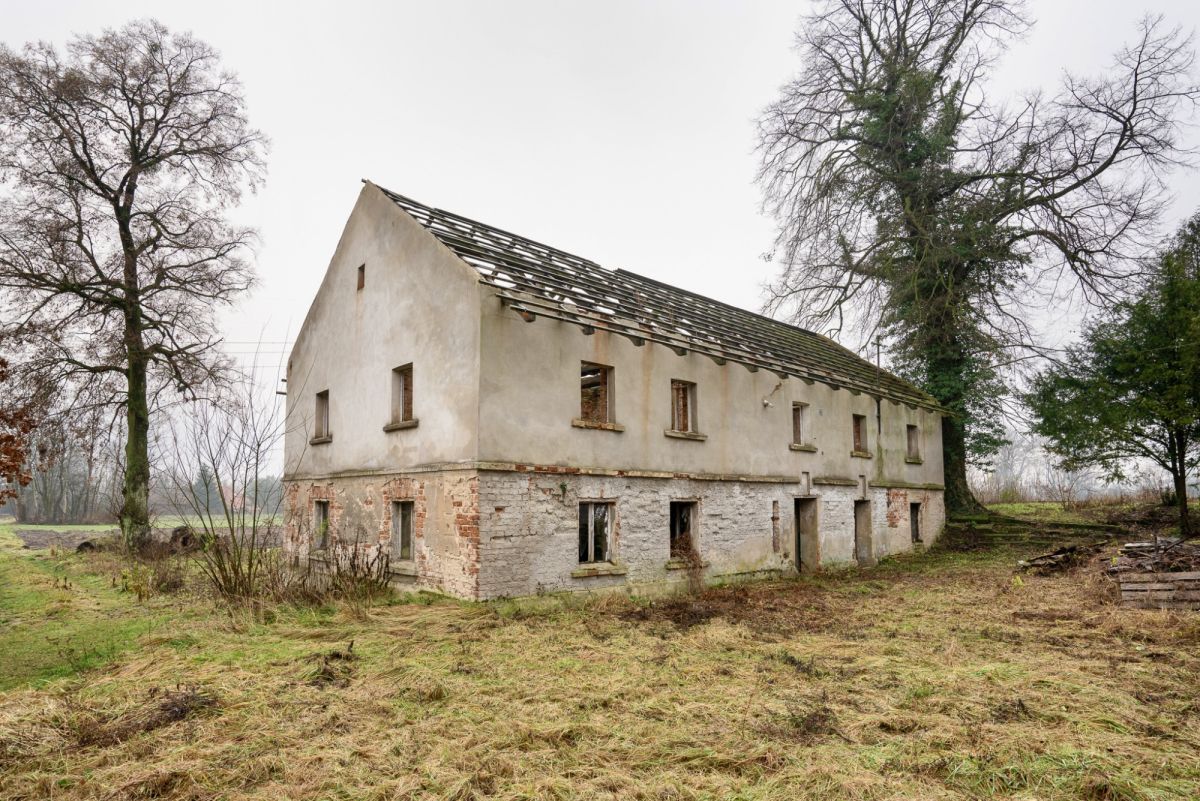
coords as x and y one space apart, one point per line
808 544
683 543
864 551
914 520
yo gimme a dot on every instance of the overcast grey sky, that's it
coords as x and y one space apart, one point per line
620 131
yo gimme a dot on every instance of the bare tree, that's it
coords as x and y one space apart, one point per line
122 157
904 193
237 507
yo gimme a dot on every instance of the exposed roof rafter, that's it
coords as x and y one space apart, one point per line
540 281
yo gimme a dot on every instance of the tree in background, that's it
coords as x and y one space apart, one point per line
1131 390
123 157
903 189
17 421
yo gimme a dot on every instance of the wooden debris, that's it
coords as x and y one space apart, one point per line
1060 559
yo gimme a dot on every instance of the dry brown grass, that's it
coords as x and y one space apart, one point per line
933 677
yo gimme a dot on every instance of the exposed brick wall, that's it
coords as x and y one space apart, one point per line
495 533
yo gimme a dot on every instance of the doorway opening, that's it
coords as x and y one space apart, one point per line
864 552
808 544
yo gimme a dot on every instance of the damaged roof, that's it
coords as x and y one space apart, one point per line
536 280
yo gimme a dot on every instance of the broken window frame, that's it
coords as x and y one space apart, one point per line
799 412
321 420
683 406
402 394
602 412
401 545
591 550
320 525
682 517
913 442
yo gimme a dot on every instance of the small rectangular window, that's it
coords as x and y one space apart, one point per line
594 396
914 442
320 525
798 423
683 406
362 276
595 526
402 394
683 544
321 423
860 433
402 531
914 520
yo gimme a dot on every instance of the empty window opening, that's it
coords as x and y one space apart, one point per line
683 533
595 381
402 531
860 432
595 525
914 442
402 394
914 520
362 276
322 415
808 544
320 525
798 423
683 406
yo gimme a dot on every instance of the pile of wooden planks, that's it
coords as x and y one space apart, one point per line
1160 590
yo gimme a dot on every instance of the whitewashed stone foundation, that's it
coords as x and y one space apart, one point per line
492 533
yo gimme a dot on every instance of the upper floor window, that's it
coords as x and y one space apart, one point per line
321 420
860 433
595 404
402 394
683 406
914 442
798 423
362 276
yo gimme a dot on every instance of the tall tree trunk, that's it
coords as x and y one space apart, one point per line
947 365
1179 476
135 507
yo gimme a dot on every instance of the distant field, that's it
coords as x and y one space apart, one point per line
937 676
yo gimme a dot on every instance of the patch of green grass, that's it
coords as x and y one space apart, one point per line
57 618
1040 511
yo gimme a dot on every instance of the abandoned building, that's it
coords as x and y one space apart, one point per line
503 418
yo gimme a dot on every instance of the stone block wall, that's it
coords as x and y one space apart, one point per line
498 533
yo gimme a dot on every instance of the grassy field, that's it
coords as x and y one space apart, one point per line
930 677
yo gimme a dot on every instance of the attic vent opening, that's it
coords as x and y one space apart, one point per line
362 276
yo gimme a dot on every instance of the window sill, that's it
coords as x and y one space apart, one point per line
599 569
597 425
401 425
683 564
913 460
861 454
325 440
692 435
796 446
405 568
